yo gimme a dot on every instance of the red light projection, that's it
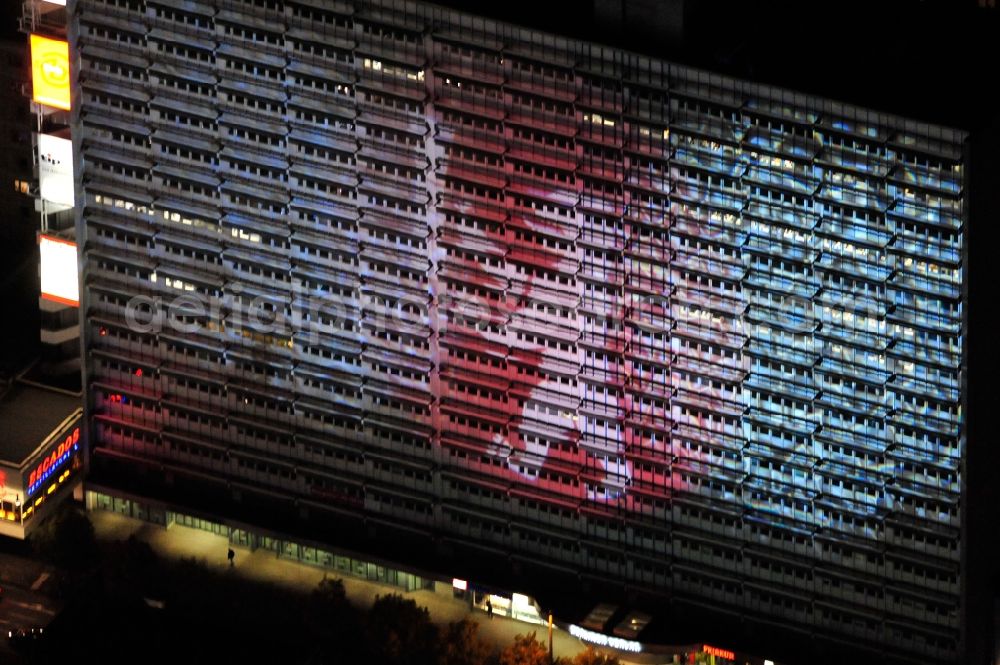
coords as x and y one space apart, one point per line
575 392
586 367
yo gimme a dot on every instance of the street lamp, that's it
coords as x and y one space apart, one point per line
551 658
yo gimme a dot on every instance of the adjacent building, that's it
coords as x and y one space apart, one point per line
46 83
404 274
41 455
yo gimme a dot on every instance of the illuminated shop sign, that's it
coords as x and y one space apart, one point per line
603 640
50 72
55 169
60 282
54 460
719 653
523 608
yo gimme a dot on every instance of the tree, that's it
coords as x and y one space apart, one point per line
525 650
131 570
66 539
330 593
462 645
333 621
594 657
399 632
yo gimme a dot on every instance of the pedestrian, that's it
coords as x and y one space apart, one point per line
489 608
231 555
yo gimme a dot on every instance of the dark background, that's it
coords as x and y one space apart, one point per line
19 324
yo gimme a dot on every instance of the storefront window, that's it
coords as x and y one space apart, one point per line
284 549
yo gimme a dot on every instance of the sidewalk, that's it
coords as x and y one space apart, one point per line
185 542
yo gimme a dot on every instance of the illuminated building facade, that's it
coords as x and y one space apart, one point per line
521 293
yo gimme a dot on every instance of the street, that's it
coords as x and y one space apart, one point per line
23 603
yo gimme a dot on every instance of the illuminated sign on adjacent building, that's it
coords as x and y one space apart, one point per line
60 282
55 169
54 460
50 72
603 640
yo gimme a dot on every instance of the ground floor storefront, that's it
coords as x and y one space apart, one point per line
247 538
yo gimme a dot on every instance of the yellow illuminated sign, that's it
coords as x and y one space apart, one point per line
50 72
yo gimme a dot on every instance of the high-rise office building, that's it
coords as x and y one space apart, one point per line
386 264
